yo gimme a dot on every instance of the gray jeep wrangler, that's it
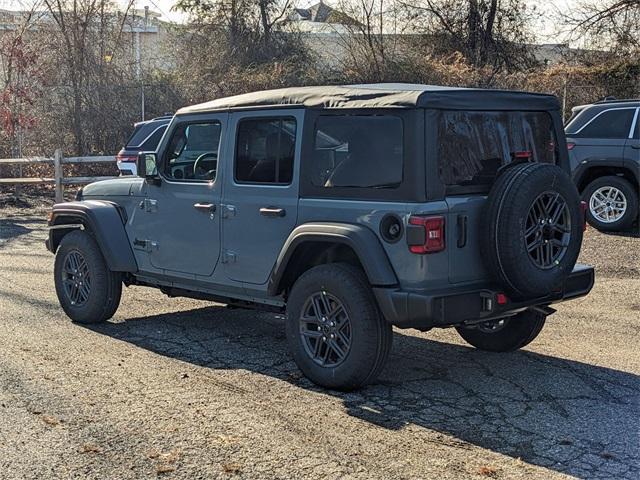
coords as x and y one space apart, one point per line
350 208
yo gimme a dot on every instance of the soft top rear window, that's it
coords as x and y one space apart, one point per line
473 145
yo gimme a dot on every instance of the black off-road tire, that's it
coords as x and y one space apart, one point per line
105 286
371 335
518 332
628 218
503 234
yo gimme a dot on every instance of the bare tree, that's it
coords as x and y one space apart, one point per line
610 24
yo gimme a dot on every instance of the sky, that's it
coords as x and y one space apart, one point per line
545 29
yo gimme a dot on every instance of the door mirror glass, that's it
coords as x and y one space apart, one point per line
147 165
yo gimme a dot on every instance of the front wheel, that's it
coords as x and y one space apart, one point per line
505 334
87 290
336 334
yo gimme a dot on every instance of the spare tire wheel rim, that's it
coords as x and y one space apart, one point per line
548 230
76 278
325 329
608 204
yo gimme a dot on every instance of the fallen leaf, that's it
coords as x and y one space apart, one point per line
488 471
232 468
90 448
50 420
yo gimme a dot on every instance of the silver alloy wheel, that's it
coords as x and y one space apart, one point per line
608 204
325 329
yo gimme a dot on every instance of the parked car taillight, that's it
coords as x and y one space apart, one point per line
126 158
570 145
426 235
583 210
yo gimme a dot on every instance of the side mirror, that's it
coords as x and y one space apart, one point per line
147 167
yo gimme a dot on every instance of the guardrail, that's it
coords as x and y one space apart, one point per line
58 179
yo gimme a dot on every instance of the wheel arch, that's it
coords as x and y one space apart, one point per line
105 220
314 244
592 171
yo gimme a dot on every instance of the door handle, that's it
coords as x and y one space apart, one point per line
205 207
637 146
273 212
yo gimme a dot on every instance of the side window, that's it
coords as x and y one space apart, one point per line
152 142
636 133
265 149
357 151
192 153
609 124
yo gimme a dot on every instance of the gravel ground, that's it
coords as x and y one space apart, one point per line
186 389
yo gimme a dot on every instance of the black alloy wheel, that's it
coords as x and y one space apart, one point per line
325 329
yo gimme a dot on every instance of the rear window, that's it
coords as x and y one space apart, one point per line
362 151
144 133
473 146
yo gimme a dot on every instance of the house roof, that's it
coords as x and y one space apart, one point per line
382 95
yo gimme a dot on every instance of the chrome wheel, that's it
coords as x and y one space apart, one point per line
325 329
608 204
548 230
76 278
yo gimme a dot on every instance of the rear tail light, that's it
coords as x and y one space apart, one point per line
523 155
126 158
570 145
583 210
425 234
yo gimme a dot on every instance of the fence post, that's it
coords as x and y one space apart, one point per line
57 173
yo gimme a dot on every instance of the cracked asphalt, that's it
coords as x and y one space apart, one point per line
180 388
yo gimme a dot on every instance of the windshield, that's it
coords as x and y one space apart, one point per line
472 146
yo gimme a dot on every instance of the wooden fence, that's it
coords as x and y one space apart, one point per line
58 179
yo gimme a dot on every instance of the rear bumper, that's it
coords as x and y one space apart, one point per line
478 303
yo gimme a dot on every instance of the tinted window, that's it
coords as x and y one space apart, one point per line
265 150
140 133
609 124
472 146
357 151
192 153
152 142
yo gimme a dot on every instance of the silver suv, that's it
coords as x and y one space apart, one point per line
351 209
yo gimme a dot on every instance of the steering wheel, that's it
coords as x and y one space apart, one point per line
200 169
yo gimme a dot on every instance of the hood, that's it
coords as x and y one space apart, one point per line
117 187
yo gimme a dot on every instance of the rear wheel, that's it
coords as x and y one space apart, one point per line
612 204
335 332
87 290
505 334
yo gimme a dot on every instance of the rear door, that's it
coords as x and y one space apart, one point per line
260 204
472 147
602 138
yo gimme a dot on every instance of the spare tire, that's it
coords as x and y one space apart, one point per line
532 229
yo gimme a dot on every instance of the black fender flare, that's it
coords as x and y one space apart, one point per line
361 239
106 221
582 170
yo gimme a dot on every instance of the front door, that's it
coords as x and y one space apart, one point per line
260 203
179 225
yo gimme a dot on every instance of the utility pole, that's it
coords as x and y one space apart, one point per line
138 49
